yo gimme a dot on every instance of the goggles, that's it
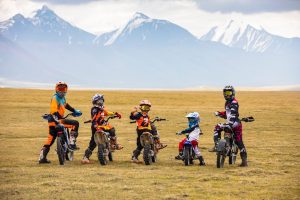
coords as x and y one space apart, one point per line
145 107
227 93
191 119
61 88
100 102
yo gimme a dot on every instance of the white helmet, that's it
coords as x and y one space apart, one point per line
193 115
194 119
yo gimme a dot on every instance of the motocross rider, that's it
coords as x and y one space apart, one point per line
98 114
143 125
231 114
194 132
56 123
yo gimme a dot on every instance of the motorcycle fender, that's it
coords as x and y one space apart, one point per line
100 138
146 138
221 145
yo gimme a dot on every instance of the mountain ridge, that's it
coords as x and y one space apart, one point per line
161 52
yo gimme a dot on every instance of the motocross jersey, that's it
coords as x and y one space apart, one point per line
232 112
142 120
57 109
98 117
194 133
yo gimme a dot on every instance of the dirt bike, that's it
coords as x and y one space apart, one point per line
149 142
227 146
104 143
188 151
63 140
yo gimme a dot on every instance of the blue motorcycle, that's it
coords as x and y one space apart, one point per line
188 151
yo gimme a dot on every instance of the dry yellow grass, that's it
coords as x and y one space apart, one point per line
272 141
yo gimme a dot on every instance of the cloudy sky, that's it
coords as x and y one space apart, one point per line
280 17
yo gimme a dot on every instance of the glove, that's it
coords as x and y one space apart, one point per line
118 115
77 113
217 113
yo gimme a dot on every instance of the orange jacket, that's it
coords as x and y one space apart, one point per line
98 118
142 120
57 109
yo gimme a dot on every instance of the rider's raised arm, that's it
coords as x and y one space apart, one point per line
134 115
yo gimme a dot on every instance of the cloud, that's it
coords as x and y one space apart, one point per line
66 2
248 6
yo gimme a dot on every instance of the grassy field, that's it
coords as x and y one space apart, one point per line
272 141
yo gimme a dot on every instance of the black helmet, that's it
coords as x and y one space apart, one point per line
229 92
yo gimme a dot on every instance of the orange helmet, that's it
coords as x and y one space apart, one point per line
145 105
61 87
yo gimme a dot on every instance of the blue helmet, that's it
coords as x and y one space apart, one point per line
193 119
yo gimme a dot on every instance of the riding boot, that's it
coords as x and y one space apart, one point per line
244 159
114 144
160 145
217 137
179 156
201 159
135 155
43 155
86 157
73 136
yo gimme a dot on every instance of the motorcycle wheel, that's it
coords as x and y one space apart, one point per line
154 158
187 156
60 150
147 154
101 154
110 156
220 159
233 159
230 159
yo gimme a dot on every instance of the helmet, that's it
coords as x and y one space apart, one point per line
145 105
98 100
61 89
229 92
193 119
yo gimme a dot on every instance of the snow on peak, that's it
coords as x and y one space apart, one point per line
18 18
137 20
241 35
229 32
140 15
44 12
47 18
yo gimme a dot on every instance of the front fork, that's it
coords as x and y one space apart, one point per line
66 140
228 146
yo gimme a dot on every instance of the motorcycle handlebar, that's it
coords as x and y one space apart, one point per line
155 119
111 117
48 116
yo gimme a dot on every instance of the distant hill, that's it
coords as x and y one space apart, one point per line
144 53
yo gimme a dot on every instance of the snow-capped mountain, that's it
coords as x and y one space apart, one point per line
246 37
144 53
44 26
141 30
